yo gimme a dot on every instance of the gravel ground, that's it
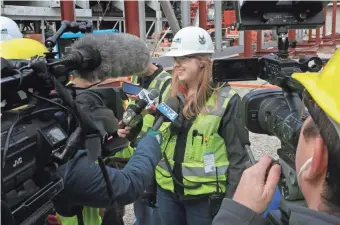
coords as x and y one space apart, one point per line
260 145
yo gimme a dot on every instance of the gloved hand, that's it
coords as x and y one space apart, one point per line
156 134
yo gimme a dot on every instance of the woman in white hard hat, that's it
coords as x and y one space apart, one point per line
204 160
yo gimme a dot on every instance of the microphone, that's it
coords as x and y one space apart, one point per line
131 116
169 112
101 56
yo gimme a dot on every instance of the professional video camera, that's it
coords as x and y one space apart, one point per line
42 127
278 111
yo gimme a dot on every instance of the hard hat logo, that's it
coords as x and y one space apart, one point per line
177 40
4 31
201 40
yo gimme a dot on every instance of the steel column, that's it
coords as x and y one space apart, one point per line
248 48
324 26
67 10
185 10
218 25
170 16
292 35
310 35
259 41
131 17
203 17
334 20
317 36
142 24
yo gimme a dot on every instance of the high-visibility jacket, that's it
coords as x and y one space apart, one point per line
90 216
148 119
205 157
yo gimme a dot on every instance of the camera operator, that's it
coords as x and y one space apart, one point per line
128 183
317 161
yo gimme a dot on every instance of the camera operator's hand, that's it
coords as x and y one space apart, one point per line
255 190
123 132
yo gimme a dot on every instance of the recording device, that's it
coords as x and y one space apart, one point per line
131 89
39 131
132 115
276 111
168 112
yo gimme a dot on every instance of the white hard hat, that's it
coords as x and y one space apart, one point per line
9 29
191 40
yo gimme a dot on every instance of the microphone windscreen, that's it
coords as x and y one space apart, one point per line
122 55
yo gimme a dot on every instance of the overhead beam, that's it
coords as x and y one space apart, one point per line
16 12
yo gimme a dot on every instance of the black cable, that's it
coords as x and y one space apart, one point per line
60 105
167 163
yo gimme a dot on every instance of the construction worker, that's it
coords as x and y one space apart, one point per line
317 162
9 29
155 78
203 160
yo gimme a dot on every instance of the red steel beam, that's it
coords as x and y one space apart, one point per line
248 48
291 35
334 20
324 26
131 17
203 17
67 10
259 41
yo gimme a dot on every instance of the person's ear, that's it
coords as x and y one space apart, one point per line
319 163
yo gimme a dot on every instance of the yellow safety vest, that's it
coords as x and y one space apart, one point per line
199 149
148 119
90 215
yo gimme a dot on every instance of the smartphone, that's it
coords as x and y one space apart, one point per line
225 70
131 89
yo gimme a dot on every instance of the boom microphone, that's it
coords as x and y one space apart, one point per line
169 111
100 56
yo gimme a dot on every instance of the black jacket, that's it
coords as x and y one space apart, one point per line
233 213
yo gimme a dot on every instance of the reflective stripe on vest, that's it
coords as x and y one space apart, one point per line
148 120
90 215
193 167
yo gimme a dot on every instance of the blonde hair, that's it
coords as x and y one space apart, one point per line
195 104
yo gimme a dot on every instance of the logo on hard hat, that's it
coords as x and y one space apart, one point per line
4 31
177 40
201 40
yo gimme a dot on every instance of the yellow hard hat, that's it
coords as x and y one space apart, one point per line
21 48
324 87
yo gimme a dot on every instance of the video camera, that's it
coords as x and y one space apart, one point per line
279 111
42 127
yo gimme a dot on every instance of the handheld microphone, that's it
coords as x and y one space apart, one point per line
131 116
100 56
169 112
